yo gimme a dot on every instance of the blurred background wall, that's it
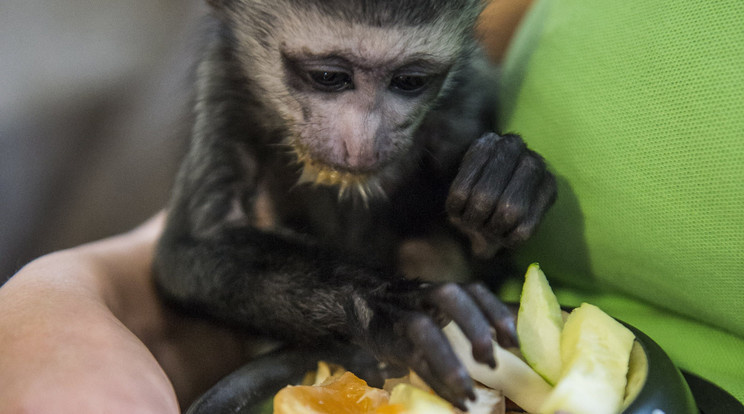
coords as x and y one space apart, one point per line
93 99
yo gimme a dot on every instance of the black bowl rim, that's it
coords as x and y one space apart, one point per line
243 392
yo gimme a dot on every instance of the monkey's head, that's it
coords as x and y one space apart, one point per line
351 79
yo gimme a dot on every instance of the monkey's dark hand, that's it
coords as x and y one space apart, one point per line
500 193
403 325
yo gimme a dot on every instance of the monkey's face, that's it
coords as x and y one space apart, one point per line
354 115
352 95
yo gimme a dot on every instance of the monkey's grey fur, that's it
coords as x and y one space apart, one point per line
336 146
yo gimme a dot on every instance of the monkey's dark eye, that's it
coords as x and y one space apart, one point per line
409 83
330 81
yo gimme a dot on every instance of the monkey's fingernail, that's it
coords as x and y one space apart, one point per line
507 335
508 341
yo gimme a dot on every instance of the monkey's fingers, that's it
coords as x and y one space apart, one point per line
518 196
436 362
502 319
452 300
439 386
544 198
487 195
484 173
497 163
471 169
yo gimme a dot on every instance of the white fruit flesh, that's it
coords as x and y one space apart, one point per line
595 350
512 376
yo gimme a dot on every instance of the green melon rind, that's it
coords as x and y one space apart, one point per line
539 325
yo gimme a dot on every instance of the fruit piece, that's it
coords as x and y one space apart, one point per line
412 378
346 394
539 325
637 374
391 409
414 400
518 381
487 401
323 373
595 350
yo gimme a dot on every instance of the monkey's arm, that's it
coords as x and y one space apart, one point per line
299 291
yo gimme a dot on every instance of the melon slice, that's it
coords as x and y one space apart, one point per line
595 350
539 325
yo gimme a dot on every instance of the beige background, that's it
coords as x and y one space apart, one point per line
92 99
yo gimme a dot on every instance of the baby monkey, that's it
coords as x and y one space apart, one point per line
330 139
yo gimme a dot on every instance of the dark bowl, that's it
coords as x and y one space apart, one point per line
662 388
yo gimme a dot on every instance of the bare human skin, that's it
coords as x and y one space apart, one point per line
84 332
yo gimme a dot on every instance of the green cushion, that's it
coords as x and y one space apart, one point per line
638 106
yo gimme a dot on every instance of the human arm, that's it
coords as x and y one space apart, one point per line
84 332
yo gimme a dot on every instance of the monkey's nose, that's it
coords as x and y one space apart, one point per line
359 157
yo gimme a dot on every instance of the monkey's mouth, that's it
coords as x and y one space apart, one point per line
349 183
